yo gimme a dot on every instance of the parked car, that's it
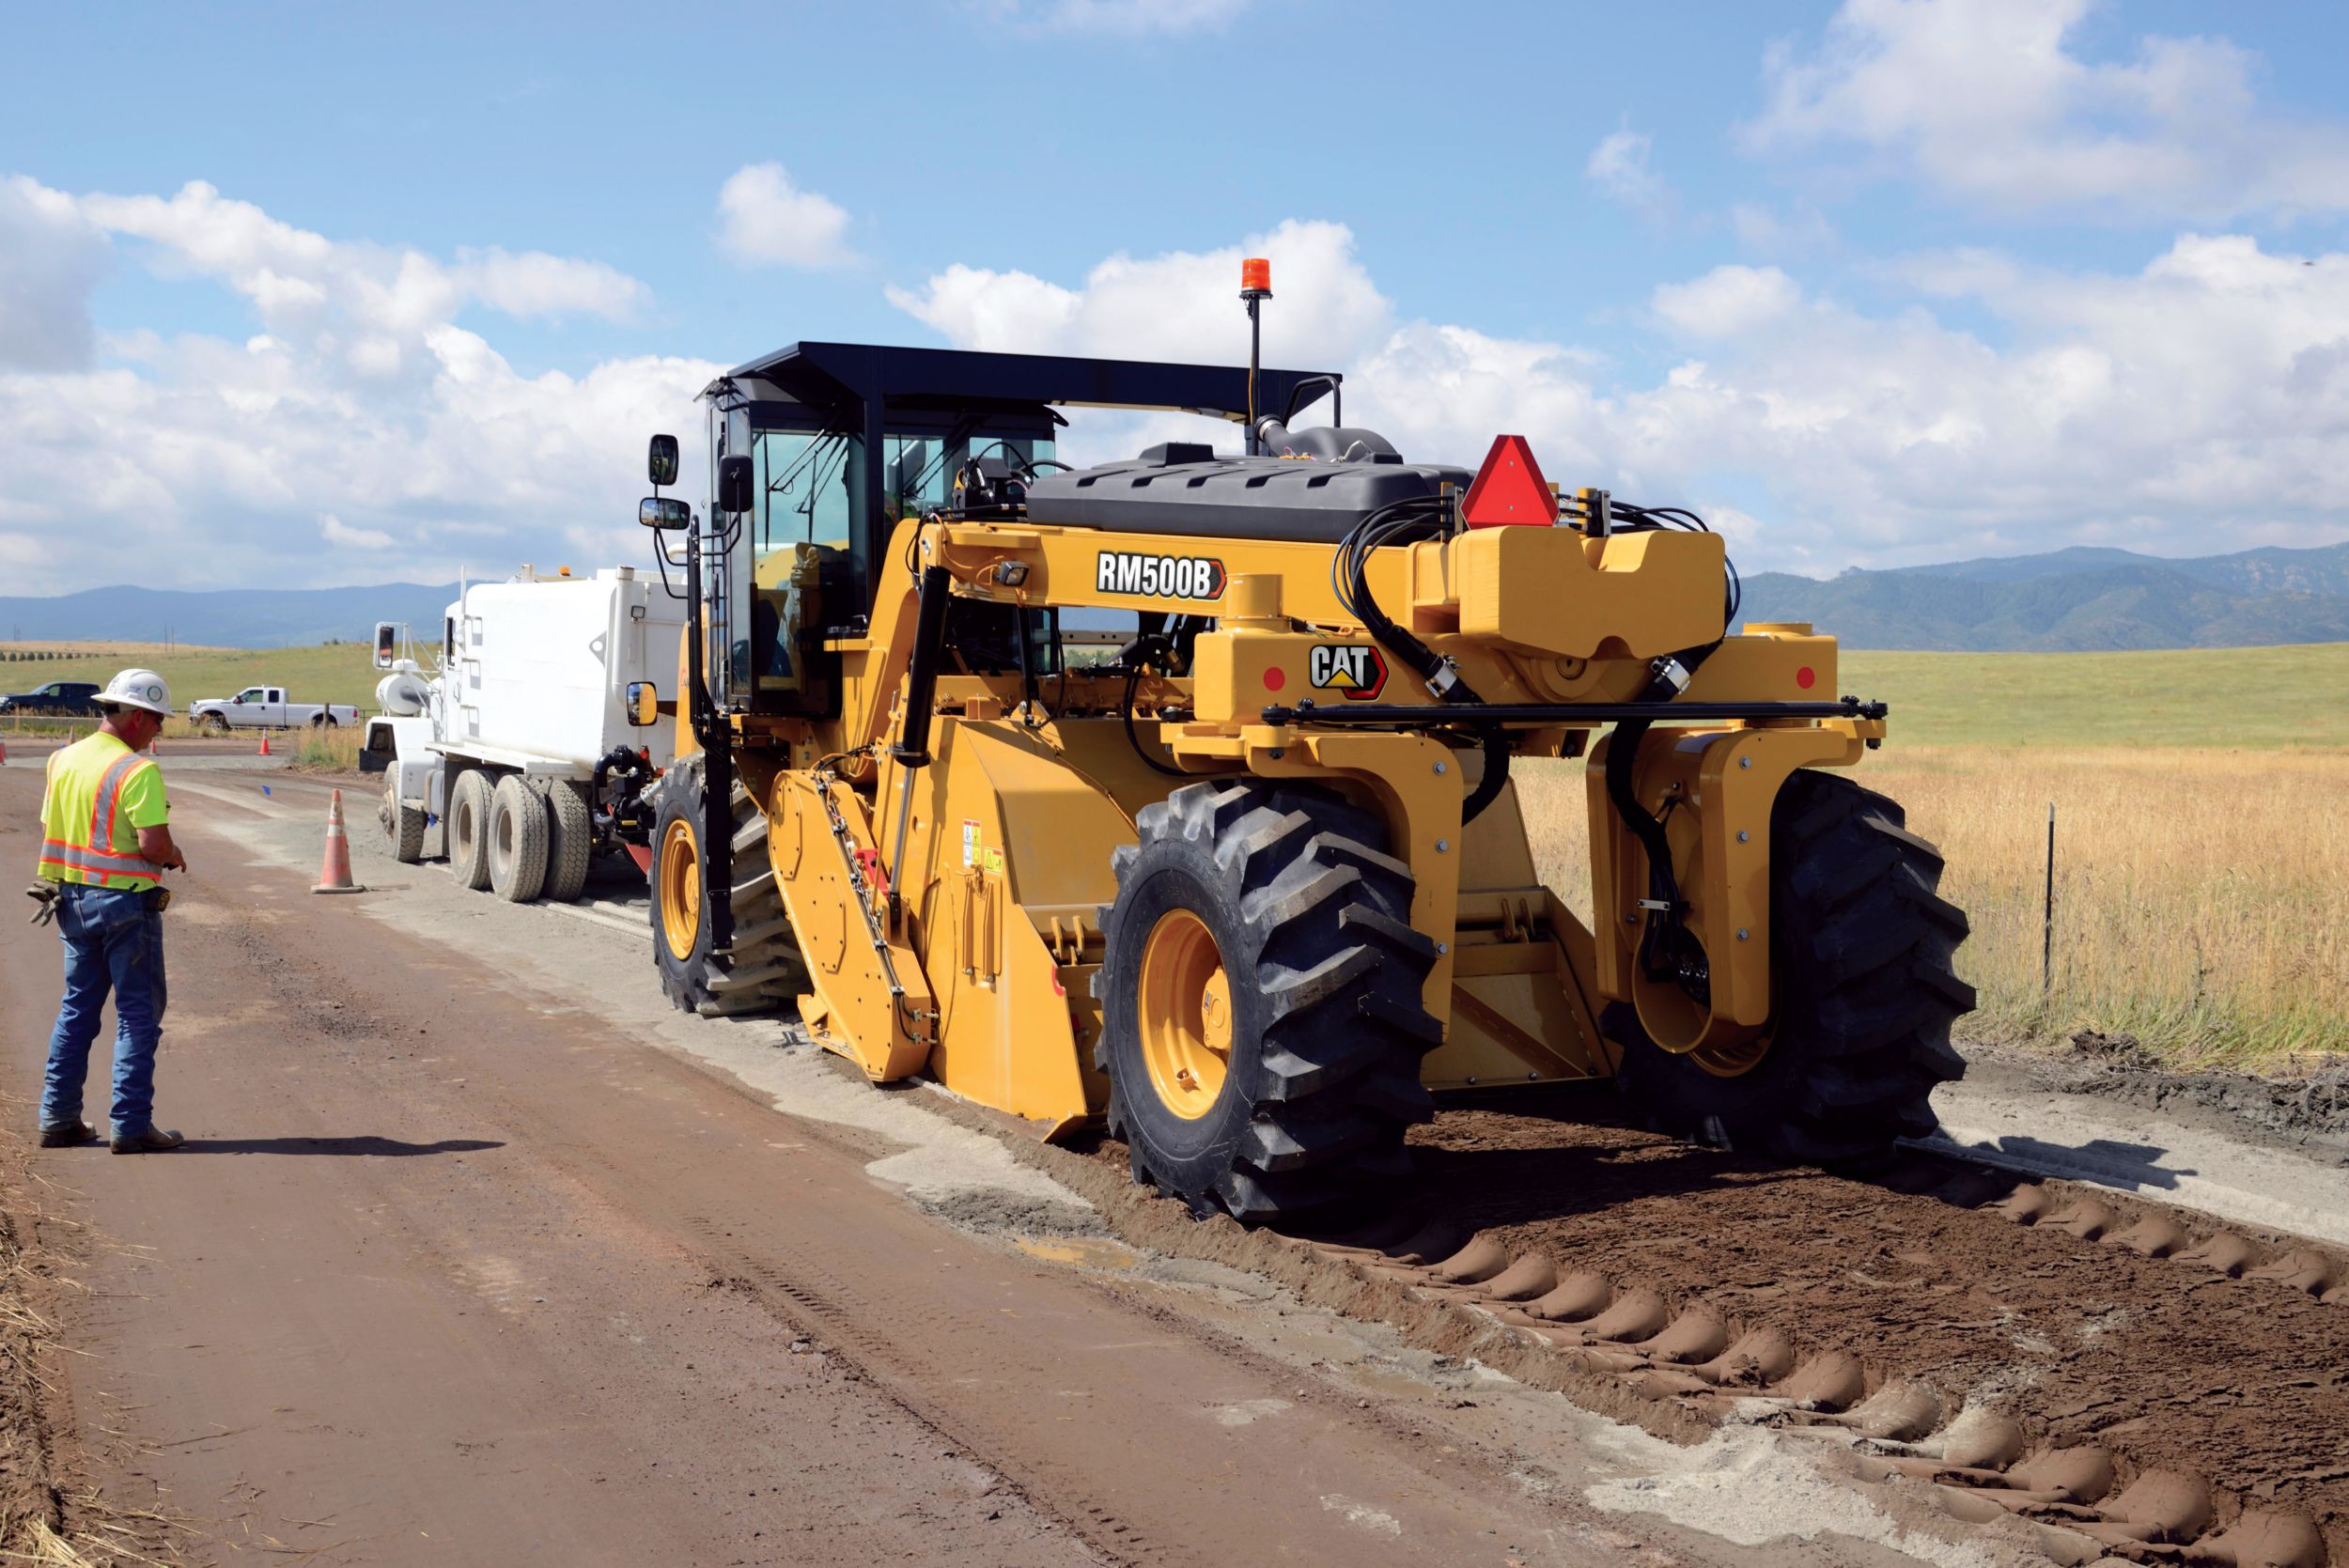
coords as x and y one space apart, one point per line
75 698
265 707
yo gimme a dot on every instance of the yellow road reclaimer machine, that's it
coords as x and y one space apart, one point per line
1175 791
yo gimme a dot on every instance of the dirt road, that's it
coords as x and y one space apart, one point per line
453 1271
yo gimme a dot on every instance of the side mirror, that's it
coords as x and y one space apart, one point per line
664 511
737 488
644 703
661 462
386 644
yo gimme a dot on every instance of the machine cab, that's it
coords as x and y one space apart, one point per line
830 476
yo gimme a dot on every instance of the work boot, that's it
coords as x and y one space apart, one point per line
144 1142
65 1135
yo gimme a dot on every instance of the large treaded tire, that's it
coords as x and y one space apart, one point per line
1309 918
468 828
1862 949
764 971
403 824
571 839
517 840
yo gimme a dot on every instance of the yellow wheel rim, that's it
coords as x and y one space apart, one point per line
1733 1061
1183 1014
680 888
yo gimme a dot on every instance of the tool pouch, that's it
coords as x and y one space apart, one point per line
158 899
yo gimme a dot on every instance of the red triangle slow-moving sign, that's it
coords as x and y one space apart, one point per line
1509 489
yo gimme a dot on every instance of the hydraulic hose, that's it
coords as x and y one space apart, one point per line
1496 777
1389 525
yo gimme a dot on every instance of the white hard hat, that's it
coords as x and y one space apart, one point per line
137 688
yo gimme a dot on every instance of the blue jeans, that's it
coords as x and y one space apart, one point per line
113 942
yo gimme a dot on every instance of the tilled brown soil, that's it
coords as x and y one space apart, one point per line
1932 1279
2168 1363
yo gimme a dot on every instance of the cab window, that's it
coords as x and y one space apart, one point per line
804 494
920 474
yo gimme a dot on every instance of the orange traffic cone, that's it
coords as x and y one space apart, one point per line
334 875
264 750
4 753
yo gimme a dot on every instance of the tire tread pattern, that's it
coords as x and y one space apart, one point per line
765 970
570 842
1864 963
517 840
1337 1070
468 828
403 824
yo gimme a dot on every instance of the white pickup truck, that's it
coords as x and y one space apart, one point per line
265 707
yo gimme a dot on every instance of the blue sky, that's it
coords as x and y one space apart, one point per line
1898 281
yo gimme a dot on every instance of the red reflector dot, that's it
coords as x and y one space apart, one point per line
1806 677
1275 679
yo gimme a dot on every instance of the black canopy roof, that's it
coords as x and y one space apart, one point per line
873 375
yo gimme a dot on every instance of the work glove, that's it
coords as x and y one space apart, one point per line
45 896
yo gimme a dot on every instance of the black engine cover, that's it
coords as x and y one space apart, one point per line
1234 498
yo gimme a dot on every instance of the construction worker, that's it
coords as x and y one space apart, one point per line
105 843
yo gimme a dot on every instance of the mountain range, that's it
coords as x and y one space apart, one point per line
227 618
2079 599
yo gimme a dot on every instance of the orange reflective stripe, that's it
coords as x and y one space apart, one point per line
58 852
109 800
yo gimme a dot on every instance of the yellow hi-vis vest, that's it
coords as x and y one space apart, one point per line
100 793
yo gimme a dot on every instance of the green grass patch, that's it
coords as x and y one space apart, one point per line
2246 698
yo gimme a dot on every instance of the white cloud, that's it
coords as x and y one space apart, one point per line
2201 403
1727 301
1117 16
297 279
1619 167
55 257
363 415
537 284
1182 305
765 220
1987 101
337 532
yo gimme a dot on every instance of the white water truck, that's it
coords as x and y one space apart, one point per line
519 741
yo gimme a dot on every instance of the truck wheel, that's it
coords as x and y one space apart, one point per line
570 842
1860 950
212 723
517 840
764 971
322 720
403 824
1262 1022
468 828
